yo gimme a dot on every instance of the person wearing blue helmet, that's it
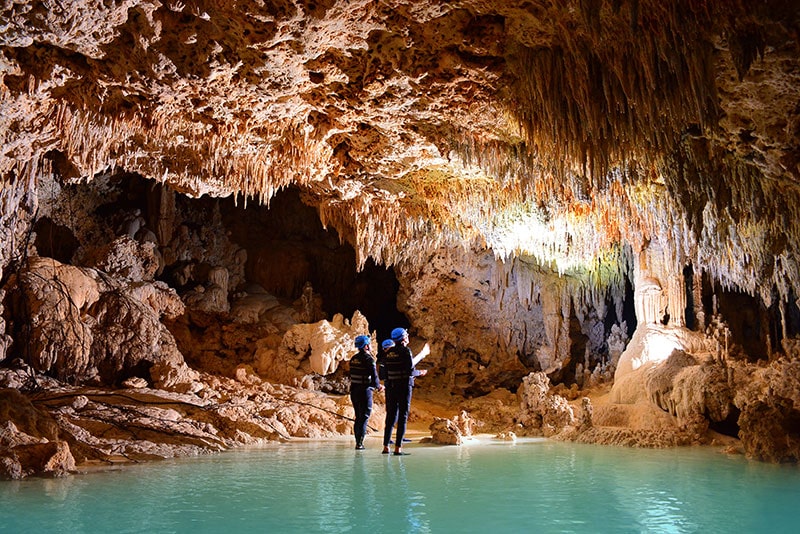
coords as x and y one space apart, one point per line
386 345
363 380
400 366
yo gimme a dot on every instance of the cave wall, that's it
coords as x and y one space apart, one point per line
99 322
17 208
490 322
217 254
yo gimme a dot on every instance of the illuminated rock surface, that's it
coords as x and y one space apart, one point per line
601 192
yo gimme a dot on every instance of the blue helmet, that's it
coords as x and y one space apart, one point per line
398 334
387 344
362 341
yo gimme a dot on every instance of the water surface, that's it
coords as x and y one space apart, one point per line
488 487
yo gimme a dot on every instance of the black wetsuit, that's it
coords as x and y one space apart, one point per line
382 364
399 382
363 378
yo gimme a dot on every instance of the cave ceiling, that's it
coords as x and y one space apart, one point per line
562 131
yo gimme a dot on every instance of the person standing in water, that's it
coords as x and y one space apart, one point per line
363 380
385 346
400 365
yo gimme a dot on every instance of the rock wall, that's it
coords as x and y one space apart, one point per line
17 205
81 326
703 378
153 277
490 322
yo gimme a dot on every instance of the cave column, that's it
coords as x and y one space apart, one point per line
697 301
161 212
659 289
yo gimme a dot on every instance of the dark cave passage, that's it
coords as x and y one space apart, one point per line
288 247
54 240
748 321
728 427
285 243
628 311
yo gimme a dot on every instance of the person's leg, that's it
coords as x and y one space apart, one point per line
403 407
391 416
357 398
366 411
395 418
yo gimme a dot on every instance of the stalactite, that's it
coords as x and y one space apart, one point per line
219 161
436 201
18 207
576 171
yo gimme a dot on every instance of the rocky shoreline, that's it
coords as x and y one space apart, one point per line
62 430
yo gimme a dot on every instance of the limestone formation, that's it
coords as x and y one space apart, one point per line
29 440
506 436
451 431
566 199
585 420
311 348
126 258
541 411
214 297
445 432
82 327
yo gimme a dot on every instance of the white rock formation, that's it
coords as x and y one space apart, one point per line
541 411
308 348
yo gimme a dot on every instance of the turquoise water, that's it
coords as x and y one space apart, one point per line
531 486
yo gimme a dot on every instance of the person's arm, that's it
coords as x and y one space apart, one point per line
419 357
376 383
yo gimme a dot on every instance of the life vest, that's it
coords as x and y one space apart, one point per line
362 367
398 364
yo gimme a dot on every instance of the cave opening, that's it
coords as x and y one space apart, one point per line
692 315
791 315
54 240
753 326
746 319
781 320
729 426
577 351
285 248
628 311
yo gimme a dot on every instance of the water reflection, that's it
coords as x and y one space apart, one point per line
363 498
534 486
403 501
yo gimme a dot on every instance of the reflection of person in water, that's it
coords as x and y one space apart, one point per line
407 512
363 498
